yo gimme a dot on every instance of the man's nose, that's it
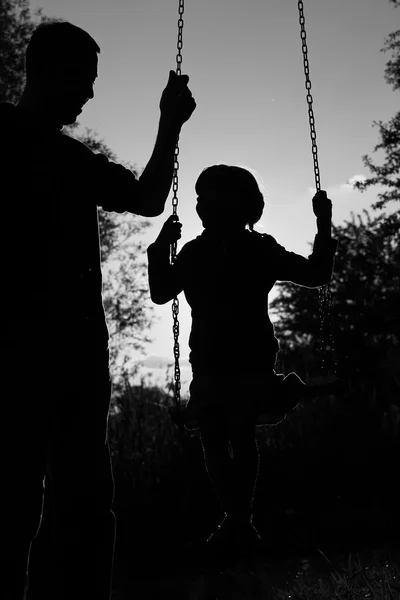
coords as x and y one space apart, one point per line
89 93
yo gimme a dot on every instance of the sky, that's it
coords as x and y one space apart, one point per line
244 60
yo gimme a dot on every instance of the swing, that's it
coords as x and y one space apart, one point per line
283 389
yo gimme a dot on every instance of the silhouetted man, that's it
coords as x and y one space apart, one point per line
54 338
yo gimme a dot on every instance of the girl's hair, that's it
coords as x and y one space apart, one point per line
236 182
55 43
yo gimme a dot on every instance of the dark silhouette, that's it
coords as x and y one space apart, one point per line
54 338
226 274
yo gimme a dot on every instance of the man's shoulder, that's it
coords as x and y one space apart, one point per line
76 146
79 152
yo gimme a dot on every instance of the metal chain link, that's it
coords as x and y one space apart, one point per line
175 301
181 10
325 296
309 97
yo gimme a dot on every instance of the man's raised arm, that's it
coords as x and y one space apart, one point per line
176 106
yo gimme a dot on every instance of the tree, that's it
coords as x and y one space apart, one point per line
392 44
16 28
366 319
125 291
387 175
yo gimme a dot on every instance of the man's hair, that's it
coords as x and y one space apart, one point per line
237 182
56 43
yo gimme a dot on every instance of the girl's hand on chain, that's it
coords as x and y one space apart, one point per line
170 232
322 206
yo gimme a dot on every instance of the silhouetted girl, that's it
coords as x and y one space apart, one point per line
226 274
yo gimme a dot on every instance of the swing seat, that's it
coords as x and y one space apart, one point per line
285 395
291 391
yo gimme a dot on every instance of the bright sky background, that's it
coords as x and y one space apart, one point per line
244 60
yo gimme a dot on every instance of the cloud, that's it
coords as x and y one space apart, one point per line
161 362
341 188
350 182
346 199
355 178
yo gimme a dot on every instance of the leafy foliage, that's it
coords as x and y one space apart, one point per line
125 289
16 28
387 175
392 71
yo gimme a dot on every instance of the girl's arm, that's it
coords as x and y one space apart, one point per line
165 280
316 270
312 272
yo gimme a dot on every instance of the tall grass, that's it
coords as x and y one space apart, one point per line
142 436
373 577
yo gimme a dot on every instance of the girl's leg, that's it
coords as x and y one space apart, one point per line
218 462
245 465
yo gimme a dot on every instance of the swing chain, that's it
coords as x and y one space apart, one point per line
175 301
322 312
325 296
180 37
326 320
309 97
176 154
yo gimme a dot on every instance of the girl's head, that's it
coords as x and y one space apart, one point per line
228 196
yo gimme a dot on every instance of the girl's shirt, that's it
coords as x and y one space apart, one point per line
226 281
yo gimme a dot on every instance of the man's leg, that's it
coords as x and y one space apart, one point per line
22 510
81 474
41 581
22 451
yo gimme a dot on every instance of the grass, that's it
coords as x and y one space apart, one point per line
377 578
375 575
